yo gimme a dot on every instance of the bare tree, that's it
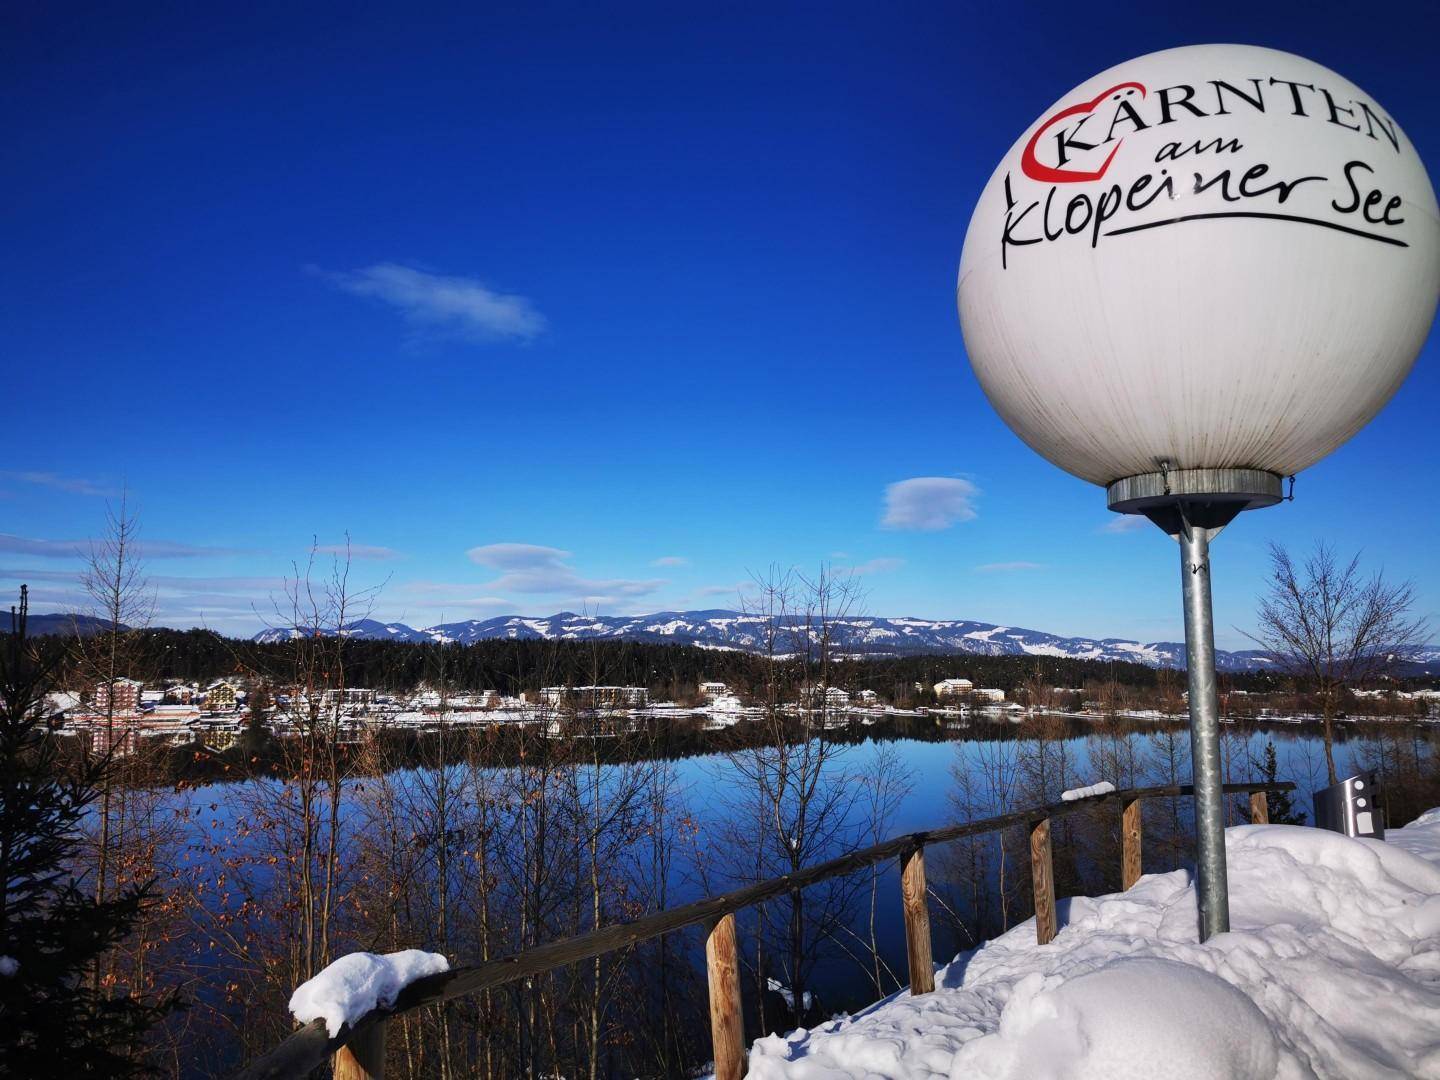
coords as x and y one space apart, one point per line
886 782
317 613
121 599
1328 624
791 792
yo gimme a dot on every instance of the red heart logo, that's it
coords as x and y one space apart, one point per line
1046 174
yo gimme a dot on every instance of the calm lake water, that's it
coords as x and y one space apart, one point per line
930 801
932 762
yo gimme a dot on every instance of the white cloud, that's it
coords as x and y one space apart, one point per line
452 600
1125 523
228 604
516 556
69 577
460 306
723 590
359 551
1007 567
882 565
73 484
70 549
671 560
929 503
532 568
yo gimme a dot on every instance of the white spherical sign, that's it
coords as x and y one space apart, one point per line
1211 257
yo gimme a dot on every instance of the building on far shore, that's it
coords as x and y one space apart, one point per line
351 697
867 698
713 690
953 688
822 696
124 693
181 694
965 690
220 696
596 697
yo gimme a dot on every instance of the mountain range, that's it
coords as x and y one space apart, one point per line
721 629
870 636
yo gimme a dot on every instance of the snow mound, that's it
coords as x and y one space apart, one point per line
1104 787
1331 970
353 985
1197 1027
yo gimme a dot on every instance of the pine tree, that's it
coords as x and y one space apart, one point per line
1281 803
52 1023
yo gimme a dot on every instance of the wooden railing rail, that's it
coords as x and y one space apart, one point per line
359 1049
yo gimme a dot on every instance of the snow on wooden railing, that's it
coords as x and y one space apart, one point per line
359 1048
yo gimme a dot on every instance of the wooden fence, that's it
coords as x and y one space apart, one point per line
359 1049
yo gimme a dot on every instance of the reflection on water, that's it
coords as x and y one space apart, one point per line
529 837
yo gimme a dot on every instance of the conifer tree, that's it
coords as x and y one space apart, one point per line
1281 804
52 1021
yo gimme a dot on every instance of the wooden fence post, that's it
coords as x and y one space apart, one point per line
1131 828
1042 882
727 1030
1259 808
363 1058
916 906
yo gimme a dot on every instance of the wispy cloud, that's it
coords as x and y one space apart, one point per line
26 574
458 306
671 560
190 584
882 565
171 549
725 590
1124 523
75 485
929 503
227 603
69 549
532 568
452 598
360 551
47 549
1007 567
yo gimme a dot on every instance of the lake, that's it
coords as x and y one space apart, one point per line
513 842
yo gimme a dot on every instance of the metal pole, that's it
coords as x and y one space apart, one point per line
1204 730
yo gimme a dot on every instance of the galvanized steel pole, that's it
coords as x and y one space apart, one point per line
1204 730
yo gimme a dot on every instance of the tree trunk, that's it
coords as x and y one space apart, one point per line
1329 724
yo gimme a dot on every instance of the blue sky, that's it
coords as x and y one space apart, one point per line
565 307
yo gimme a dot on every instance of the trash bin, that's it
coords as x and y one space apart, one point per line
1349 807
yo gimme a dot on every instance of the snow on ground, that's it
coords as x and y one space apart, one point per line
353 985
1331 969
1104 787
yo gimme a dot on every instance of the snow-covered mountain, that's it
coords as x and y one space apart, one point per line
364 629
871 636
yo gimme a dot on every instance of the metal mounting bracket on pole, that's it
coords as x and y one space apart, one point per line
1193 506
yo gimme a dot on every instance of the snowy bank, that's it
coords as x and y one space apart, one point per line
353 985
1331 969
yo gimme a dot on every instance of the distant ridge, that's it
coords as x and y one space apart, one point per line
60 624
724 629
